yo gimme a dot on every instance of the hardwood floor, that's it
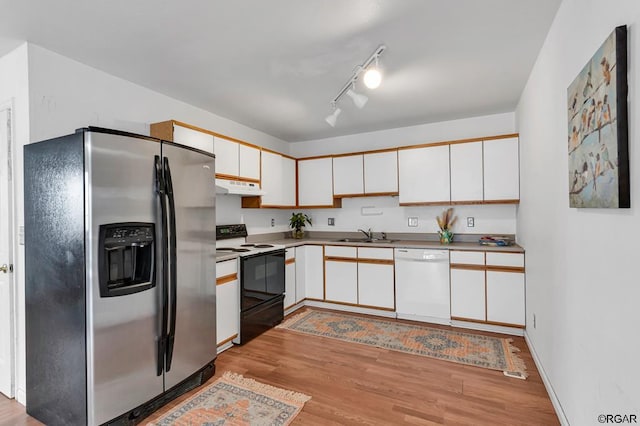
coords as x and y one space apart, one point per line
357 384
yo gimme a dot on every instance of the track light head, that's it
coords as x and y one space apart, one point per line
358 99
372 78
333 117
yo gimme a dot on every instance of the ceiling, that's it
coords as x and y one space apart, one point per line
276 65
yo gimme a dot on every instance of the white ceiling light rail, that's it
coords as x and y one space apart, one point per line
372 79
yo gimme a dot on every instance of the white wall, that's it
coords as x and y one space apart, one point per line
14 88
489 125
582 274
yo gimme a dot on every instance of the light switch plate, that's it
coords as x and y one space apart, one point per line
331 221
471 222
413 222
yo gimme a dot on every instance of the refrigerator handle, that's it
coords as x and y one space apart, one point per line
172 263
162 340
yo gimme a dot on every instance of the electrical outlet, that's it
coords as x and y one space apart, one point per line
331 221
534 320
21 235
273 222
471 222
413 222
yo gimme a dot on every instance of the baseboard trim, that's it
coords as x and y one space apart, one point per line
547 383
21 396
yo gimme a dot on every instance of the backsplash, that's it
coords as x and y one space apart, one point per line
381 214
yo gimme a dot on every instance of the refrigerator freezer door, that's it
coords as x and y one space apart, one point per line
192 175
121 331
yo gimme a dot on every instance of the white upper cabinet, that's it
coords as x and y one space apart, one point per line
193 138
249 162
278 180
227 157
424 175
271 181
288 181
501 170
466 172
315 182
348 175
381 172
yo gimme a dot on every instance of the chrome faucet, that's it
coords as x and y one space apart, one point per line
369 233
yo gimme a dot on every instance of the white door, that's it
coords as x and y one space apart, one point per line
6 275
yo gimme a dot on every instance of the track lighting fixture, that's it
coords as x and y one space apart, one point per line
372 79
333 117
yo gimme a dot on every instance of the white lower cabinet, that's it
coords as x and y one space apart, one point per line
376 285
310 279
290 278
227 301
505 297
467 294
341 281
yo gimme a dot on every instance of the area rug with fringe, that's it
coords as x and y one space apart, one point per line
236 400
465 348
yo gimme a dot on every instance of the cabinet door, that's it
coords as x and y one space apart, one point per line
501 169
227 301
301 267
424 175
505 297
314 272
290 279
288 194
315 182
271 181
249 162
193 138
341 281
466 172
467 294
381 172
227 157
347 175
375 285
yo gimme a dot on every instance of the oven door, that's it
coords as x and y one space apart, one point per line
262 277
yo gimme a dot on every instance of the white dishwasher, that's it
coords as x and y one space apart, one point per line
422 285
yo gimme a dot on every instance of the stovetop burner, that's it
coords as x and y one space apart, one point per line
263 246
247 245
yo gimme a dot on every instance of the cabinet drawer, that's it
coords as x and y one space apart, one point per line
375 253
505 259
228 267
467 257
340 251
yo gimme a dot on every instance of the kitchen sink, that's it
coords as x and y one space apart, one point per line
364 240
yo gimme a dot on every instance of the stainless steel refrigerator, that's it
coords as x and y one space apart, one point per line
120 275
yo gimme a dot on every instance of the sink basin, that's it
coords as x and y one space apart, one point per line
364 240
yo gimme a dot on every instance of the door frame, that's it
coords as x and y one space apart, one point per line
8 105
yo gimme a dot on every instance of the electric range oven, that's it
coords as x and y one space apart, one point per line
262 280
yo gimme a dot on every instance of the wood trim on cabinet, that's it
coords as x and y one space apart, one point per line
228 340
237 178
253 202
504 324
424 145
376 261
315 157
432 203
290 261
340 259
467 266
277 153
324 275
515 269
227 278
511 201
337 203
367 194
458 141
162 130
349 154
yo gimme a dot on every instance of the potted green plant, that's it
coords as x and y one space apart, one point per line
297 222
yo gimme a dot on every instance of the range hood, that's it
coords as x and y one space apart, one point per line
236 187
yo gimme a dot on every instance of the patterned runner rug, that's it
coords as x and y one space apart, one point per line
235 400
464 348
